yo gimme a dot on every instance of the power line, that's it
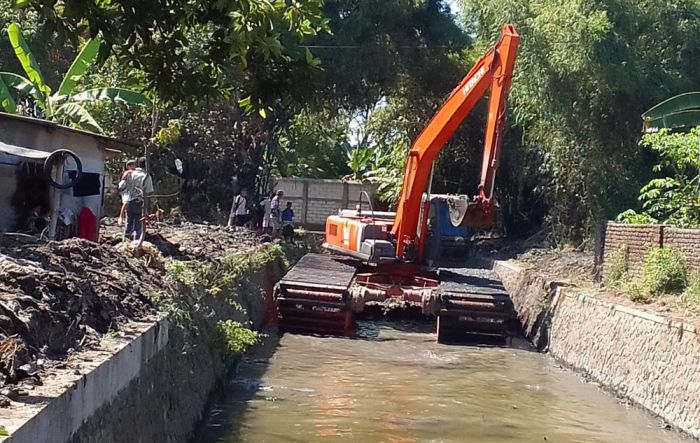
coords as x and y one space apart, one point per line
376 46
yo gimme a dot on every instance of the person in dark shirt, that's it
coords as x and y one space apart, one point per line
288 223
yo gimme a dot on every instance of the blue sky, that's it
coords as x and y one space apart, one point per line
454 5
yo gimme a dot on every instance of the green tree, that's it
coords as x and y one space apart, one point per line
65 105
586 71
387 65
182 46
674 198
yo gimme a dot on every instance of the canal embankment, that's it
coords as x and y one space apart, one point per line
647 357
146 377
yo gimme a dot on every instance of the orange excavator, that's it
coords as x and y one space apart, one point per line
388 258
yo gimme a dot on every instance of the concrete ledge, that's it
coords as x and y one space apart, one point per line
111 369
652 360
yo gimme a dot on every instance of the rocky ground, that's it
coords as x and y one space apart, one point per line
567 263
57 297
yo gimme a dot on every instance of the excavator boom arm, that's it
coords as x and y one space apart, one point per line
493 70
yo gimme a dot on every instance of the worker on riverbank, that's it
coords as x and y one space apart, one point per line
137 185
239 210
288 223
130 166
264 208
276 213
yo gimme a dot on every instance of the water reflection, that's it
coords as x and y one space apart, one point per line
396 384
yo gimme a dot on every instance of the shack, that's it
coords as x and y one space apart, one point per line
29 202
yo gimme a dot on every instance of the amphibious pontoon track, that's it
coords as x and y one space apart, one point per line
474 303
313 296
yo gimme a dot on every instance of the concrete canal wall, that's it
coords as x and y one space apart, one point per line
153 385
651 360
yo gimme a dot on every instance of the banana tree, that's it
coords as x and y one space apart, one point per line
65 106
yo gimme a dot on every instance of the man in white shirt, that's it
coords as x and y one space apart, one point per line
135 187
265 204
239 210
276 213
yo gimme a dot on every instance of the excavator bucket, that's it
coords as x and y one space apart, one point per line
470 213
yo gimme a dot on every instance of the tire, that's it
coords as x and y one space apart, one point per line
51 159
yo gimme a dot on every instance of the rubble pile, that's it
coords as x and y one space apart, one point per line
54 295
57 297
190 241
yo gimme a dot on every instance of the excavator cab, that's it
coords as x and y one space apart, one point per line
445 243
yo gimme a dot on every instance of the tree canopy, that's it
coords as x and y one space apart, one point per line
585 73
183 46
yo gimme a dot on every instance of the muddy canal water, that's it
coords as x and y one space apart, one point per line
396 384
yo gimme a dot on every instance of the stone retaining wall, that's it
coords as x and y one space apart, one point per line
651 360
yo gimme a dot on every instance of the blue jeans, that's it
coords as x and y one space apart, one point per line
134 212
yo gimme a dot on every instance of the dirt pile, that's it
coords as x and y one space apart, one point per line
556 264
56 297
189 241
576 266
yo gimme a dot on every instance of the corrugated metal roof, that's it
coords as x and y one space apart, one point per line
23 152
110 141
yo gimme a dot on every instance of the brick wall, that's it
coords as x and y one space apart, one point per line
638 239
314 200
686 241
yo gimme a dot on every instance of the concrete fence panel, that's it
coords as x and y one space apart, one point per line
314 199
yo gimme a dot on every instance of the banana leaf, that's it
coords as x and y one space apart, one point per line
27 60
80 65
78 116
20 84
676 120
675 112
6 100
118 95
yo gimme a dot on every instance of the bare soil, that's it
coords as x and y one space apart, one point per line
578 268
58 297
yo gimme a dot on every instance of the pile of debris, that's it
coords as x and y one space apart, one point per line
57 297
190 241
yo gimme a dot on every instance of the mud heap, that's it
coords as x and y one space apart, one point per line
189 241
57 297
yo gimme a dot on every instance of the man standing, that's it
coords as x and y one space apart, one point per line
239 210
276 213
130 166
288 223
136 186
264 208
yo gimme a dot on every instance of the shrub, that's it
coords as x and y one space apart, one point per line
237 338
636 293
664 272
619 266
690 298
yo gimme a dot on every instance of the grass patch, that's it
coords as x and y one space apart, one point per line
202 297
664 272
690 298
619 267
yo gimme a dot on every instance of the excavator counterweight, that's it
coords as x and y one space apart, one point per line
395 253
